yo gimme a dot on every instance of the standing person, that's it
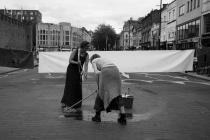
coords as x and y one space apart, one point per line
73 86
109 88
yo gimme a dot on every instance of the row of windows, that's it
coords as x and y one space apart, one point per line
41 42
51 37
185 31
171 16
191 4
48 32
188 30
48 43
11 21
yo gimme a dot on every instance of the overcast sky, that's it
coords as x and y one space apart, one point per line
87 13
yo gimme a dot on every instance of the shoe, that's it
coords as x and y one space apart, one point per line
122 119
96 118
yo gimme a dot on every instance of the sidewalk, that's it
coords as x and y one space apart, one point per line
5 70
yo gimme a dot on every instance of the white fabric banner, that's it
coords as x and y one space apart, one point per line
126 61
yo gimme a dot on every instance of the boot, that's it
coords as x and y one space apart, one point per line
122 119
97 117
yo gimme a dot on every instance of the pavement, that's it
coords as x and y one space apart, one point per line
5 70
166 106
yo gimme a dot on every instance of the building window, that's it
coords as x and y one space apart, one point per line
198 3
67 32
194 4
181 10
188 6
174 17
191 5
169 16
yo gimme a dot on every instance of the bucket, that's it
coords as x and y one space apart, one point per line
128 100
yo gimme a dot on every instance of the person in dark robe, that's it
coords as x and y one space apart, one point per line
76 71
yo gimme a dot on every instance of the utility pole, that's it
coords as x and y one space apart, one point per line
106 41
129 32
160 26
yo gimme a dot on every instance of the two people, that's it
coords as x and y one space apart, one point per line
107 78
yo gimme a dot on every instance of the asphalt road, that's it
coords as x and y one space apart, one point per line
167 106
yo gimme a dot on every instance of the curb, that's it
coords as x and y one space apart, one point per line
10 71
17 69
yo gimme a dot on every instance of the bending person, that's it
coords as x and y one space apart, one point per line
109 88
78 61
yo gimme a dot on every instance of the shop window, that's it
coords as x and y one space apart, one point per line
187 30
207 23
197 28
184 32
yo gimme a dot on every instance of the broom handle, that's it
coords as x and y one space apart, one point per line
83 99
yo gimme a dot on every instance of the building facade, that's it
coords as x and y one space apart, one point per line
48 36
168 26
171 25
14 34
58 37
32 16
164 22
127 38
86 35
149 30
65 35
76 37
205 30
188 24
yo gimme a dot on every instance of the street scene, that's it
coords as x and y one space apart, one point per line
105 70
165 106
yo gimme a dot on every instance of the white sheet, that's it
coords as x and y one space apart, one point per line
127 61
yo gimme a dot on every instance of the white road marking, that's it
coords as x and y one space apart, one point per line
148 75
125 75
3 76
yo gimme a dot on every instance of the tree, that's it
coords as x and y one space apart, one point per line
104 37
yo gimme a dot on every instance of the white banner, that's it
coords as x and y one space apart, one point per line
127 61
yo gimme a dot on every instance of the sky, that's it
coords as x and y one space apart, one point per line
87 13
